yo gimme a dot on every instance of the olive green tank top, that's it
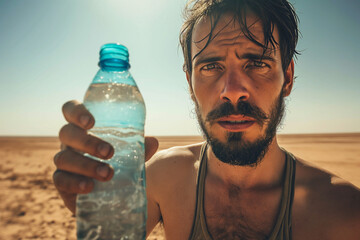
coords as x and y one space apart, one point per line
282 227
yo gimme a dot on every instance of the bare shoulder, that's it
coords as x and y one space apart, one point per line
325 202
172 167
174 157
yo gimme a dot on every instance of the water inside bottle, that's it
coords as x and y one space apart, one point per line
119 112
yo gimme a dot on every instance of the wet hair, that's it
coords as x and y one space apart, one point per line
279 13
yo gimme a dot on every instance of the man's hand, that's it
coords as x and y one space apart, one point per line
75 171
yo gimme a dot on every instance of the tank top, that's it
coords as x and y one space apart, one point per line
282 227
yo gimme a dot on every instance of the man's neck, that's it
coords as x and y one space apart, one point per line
268 173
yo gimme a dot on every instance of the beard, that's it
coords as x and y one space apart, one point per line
237 151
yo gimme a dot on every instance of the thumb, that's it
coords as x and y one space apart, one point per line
151 146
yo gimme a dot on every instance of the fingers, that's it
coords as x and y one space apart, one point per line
69 185
77 167
74 175
72 183
77 138
151 146
69 200
76 113
74 162
75 171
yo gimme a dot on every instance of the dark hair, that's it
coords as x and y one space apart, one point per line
270 12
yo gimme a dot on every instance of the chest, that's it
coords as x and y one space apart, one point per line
234 214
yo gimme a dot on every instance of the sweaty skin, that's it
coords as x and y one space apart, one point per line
227 70
321 209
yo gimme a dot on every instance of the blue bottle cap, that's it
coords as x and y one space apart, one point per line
114 56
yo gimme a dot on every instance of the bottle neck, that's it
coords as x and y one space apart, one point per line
114 76
114 65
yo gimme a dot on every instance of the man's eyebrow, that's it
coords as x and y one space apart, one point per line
253 56
257 56
206 59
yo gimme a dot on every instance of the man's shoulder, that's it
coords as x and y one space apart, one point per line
326 200
175 156
173 167
317 180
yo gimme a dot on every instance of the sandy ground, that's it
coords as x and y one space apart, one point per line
31 209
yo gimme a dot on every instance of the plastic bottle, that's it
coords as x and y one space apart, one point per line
116 209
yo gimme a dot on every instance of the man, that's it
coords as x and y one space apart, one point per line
239 184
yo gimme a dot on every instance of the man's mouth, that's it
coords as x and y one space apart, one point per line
235 123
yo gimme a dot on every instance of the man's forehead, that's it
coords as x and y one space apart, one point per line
226 31
225 21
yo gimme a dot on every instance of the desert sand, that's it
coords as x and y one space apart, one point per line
31 208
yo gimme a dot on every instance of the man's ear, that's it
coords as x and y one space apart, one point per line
289 79
188 78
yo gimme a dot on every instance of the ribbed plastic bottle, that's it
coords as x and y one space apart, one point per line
116 209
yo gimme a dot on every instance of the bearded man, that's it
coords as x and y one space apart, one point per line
239 183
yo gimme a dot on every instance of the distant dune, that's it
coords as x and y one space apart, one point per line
31 209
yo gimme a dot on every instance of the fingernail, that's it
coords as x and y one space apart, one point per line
103 171
82 186
104 149
84 120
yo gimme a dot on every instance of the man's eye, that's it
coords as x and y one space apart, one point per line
211 66
258 64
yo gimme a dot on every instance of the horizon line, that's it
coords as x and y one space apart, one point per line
197 135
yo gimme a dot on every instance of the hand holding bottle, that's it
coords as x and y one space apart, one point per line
75 172
117 205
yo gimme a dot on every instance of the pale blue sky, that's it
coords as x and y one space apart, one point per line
49 53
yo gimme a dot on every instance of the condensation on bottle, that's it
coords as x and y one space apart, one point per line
116 209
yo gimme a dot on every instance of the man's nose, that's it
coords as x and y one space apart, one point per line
235 88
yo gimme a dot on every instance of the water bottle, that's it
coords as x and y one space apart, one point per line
116 209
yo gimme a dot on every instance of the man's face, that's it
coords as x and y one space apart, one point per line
238 91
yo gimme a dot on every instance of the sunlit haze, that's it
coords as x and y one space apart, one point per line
49 53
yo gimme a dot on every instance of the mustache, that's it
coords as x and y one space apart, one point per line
242 108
